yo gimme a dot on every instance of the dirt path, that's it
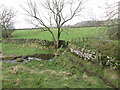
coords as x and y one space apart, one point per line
107 82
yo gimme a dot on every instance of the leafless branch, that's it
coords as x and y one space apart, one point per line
6 18
55 8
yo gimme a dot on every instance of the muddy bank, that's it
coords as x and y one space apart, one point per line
40 56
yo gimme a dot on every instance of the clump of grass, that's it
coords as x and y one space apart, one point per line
16 69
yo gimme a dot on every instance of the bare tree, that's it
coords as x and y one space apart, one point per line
112 19
59 12
6 16
112 10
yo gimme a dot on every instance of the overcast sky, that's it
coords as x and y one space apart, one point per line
96 7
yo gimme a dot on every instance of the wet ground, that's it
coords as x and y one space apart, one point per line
37 57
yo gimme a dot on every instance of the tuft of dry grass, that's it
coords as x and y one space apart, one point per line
89 79
17 81
112 74
65 73
66 85
65 78
47 79
16 69
85 76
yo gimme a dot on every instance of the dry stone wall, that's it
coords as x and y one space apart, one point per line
94 56
83 53
22 41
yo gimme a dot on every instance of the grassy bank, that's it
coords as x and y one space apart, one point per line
59 73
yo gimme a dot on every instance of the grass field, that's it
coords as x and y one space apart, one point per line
67 34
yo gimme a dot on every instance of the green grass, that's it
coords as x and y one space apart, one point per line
24 49
52 74
72 33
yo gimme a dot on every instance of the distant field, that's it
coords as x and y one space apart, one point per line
67 34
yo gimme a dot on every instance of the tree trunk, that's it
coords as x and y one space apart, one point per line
58 38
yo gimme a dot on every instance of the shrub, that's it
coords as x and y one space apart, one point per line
6 33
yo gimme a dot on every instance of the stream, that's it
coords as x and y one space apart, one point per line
40 57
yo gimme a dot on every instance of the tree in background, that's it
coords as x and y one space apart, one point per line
112 20
0 31
6 20
56 13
